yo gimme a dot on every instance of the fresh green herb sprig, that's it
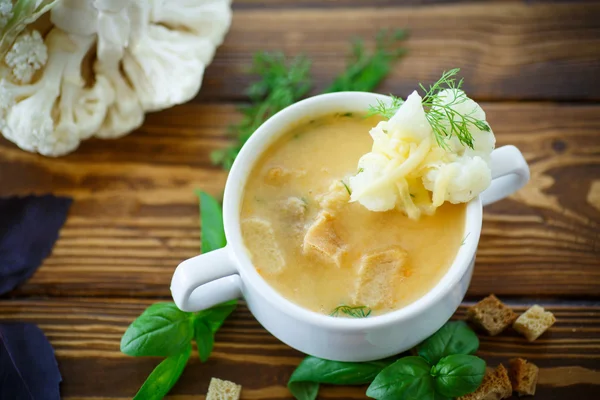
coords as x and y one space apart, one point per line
444 368
365 71
444 119
284 82
164 330
350 311
281 84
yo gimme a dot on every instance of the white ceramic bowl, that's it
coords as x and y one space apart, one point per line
228 273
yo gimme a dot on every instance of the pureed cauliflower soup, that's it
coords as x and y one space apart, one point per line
328 254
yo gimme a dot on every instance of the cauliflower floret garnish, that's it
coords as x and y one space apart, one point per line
27 55
432 150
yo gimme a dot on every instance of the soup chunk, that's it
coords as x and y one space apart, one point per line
321 251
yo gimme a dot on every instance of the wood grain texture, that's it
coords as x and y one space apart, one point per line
86 335
507 50
135 215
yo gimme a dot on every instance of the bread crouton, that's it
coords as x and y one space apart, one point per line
322 241
335 198
491 315
523 376
495 386
533 322
223 390
294 208
377 273
278 176
259 234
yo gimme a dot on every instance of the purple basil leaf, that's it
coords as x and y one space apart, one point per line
28 368
29 227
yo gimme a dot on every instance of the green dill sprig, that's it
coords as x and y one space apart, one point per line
365 70
354 312
444 120
281 84
385 110
347 187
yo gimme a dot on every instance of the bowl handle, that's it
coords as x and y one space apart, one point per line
510 173
205 280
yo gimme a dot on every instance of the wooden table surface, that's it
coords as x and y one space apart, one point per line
533 65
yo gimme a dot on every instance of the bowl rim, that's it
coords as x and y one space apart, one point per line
263 137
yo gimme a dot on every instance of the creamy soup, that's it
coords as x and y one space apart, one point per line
325 253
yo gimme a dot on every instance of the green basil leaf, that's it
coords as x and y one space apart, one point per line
304 382
407 378
211 223
164 376
161 330
304 390
215 316
205 338
455 337
458 374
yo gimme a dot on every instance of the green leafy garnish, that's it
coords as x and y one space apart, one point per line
164 330
444 120
347 187
455 337
458 374
312 371
442 370
407 378
281 84
164 376
161 330
211 223
354 312
365 71
384 109
440 115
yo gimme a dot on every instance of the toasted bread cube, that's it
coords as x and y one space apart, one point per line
322 241
495 386
223 390
523 376
377 273
491 315
264 250
335 198
294 208
533 322
278 176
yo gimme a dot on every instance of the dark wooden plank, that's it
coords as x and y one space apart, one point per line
86 335
135 216
507 50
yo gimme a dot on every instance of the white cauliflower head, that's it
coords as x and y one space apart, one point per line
406 168
100 65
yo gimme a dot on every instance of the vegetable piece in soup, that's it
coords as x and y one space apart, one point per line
321 251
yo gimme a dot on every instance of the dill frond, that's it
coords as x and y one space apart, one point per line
354 312
365 71
281 84
385 110
445 121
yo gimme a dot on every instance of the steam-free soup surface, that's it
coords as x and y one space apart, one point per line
321 251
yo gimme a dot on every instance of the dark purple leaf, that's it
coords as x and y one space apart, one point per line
28 368
29 227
